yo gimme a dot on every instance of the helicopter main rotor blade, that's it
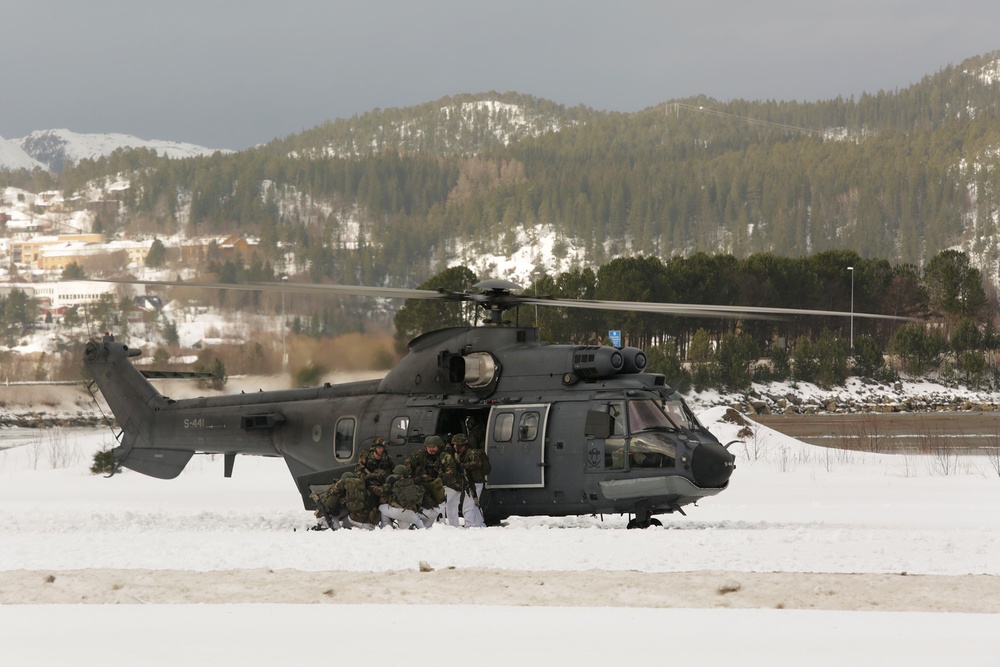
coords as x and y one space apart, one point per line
497 295
700 310
300 288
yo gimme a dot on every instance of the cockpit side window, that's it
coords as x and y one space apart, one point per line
675 410
614 446
617 413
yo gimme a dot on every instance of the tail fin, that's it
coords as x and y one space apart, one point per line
134 402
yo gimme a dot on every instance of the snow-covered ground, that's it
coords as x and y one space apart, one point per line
801 561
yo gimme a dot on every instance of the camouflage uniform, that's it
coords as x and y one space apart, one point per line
402 498
332 500
477 433
427 465
457 464
362 510
372 466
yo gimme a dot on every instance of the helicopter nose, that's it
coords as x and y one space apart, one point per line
712 465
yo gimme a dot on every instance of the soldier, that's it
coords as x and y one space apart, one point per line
362 510
464 471
402 498
476 431
331 507
426 464
375 464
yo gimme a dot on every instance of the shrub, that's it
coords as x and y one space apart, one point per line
734 361
309 375
868 357
918 349
966 336
781 363
104 463
972 365
804 365
663 359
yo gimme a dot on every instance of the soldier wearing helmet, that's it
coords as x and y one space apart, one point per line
357 505
464 471
375 464
402 498
425 465
476 431
330 506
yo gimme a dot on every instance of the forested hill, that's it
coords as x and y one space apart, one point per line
394 194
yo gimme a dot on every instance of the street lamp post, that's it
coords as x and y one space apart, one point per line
534 288
851 269
284 326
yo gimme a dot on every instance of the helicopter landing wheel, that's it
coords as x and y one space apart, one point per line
642 523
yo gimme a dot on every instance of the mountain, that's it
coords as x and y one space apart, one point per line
456 125
12 156
52 149
394 195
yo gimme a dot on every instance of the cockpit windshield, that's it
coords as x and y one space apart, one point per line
647 415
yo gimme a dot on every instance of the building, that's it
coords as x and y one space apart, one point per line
28 252
57 297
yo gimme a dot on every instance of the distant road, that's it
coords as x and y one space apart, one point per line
972 432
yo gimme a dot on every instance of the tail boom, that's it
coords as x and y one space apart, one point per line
160 435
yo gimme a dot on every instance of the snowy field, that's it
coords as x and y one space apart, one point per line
812 556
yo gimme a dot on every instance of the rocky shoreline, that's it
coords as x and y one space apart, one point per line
38 420
881 399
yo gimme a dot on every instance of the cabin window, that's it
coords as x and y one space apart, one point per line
399 430
503 427
343 446
528 428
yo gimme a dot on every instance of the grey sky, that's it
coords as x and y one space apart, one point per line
231 74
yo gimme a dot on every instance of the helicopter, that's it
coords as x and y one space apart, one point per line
569 429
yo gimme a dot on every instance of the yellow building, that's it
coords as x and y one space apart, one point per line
29 251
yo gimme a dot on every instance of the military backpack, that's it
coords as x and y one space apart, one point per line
407 494
331 499
355 495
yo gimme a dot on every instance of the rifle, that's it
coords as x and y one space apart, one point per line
472 489
468 483
330 521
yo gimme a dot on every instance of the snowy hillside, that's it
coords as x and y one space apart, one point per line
52 149
12 156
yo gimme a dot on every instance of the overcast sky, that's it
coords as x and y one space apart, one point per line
231 74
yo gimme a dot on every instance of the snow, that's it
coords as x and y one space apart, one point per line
12 156
56 146
812 556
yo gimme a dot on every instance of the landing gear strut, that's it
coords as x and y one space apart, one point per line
643 519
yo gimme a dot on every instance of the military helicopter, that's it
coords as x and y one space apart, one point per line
569 429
